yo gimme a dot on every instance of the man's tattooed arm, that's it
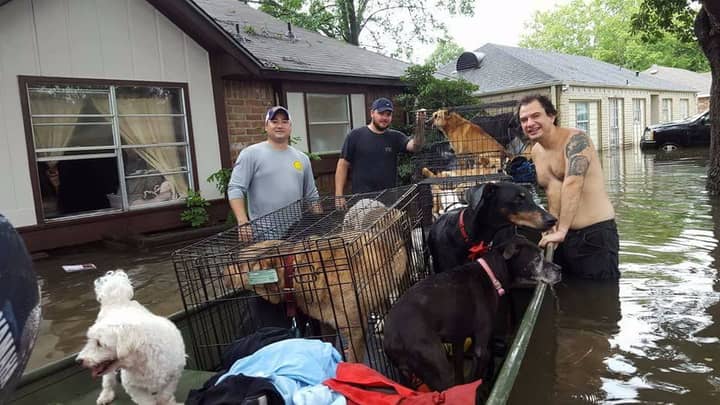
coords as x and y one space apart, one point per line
578 163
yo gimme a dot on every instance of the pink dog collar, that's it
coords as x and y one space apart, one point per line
493 279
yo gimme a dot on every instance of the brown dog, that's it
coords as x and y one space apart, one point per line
464 136
339 281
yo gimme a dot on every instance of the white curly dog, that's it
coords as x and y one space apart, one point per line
146 348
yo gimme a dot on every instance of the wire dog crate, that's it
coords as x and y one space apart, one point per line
469 141
335 272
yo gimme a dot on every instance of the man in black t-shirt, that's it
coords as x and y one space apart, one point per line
371 151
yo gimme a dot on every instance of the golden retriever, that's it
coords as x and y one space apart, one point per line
338 280
464 136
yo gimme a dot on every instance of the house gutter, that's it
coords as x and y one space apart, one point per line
576 84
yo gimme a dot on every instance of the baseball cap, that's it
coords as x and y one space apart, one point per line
274 110
382 104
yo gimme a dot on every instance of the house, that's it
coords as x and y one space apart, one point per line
111 110
700 82
612 104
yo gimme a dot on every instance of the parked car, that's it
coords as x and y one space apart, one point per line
691 131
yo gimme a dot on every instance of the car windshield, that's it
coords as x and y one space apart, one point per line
693 117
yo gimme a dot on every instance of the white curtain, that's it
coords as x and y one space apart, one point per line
153 130
54 136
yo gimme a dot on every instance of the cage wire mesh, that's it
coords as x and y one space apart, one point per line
343 269
474 141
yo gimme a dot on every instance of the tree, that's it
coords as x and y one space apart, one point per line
445 51
424 90
602 29
387 26
658 16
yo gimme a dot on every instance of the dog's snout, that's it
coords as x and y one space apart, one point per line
549 220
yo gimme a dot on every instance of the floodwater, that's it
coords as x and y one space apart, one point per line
69 305
651 338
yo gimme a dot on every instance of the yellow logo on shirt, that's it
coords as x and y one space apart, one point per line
297 165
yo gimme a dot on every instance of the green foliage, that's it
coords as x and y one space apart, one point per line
221 179
445 51
657 17
386 26
426 91
196 212
606 30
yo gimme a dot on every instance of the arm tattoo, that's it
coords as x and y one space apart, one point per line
578 165
577 144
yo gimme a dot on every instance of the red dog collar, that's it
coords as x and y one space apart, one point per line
477 249
498 287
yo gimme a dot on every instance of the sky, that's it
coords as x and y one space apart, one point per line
499 22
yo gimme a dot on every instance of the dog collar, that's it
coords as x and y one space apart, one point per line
498 287
477 249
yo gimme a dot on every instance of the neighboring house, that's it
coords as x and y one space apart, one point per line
700 82
110 110
612 104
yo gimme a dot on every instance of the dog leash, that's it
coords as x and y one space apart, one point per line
498 286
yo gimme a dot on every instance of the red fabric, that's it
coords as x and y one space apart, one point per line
362 385
475 250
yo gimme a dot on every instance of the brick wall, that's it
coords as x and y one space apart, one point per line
245 104
703 103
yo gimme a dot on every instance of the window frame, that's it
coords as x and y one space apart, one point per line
26 82
666 113
348 99
684 102
587 115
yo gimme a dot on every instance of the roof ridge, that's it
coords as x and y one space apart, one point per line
500 48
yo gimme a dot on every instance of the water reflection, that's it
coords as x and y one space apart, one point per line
654 338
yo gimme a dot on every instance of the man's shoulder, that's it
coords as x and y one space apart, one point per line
359 131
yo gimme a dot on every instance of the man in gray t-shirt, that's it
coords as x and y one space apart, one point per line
270 174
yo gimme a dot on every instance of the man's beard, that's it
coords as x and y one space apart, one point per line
379 126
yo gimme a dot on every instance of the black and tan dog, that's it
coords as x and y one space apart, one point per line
456 304
493 212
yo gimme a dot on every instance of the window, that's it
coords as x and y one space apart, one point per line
328 121
638 118
666 109
684 108
616 119
582 118
108 148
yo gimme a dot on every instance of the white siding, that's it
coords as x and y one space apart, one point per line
94 39
296 104
357 104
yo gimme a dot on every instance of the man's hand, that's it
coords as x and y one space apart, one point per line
245 233
555 237
340 203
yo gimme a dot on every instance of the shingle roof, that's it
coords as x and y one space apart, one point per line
699 81
309 52
506 67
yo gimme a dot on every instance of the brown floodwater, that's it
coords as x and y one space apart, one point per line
651 338
69 306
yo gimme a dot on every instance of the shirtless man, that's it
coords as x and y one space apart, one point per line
569 170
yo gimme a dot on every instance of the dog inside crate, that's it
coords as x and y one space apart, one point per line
340 269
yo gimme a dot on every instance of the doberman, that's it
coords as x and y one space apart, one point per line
493 212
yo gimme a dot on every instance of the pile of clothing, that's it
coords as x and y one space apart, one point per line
272 367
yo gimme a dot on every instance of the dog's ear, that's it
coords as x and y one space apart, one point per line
511 250
129 339
476 197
